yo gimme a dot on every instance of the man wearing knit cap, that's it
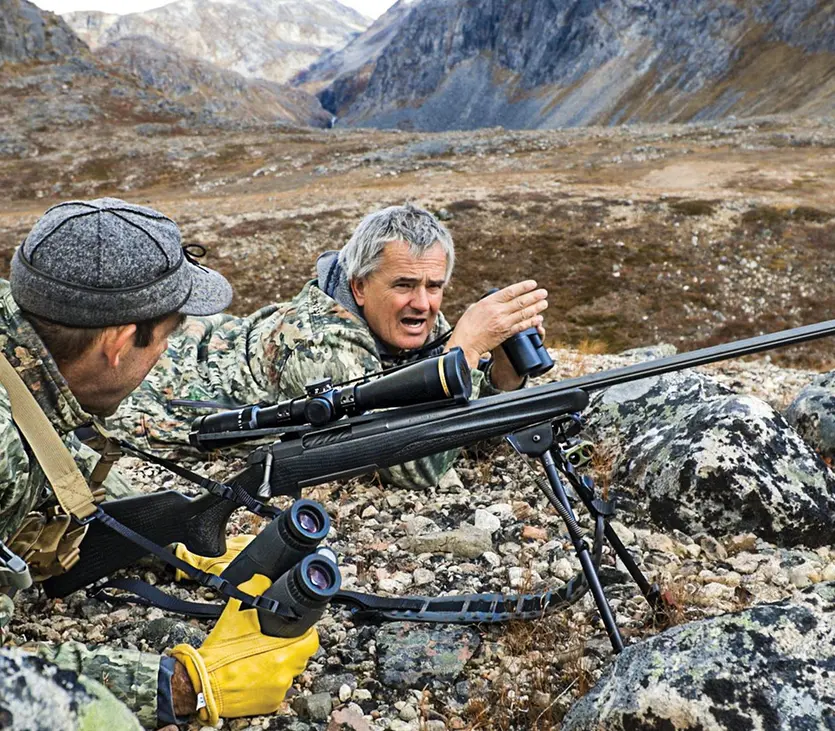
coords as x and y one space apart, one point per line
95 291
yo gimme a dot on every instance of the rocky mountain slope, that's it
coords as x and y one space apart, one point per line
213 90
50 77
268 39
347 70
462 64
29 35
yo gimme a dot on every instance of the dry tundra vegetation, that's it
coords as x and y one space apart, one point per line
690 235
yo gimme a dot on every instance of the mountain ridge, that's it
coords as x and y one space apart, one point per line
268 39
461 64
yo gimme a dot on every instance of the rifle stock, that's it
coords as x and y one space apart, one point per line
163 517
363 444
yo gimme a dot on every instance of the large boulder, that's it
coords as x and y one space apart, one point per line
700 458
35 695
812 414
769 667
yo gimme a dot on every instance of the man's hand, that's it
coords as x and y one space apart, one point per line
489 322
239 671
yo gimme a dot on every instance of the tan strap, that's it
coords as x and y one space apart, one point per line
67 482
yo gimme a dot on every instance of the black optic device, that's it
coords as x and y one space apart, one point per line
526 352
442 377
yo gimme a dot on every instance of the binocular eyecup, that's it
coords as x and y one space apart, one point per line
282 544
305 590
304 580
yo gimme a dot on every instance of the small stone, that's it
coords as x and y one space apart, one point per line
465 542
492 558
486 521
348 719
423 576
361 694
408 713
712 547
450 482
533 533
627 537
716 591
562 569
435 725
738 544
828 574
316 707
370 512
344 693
659 542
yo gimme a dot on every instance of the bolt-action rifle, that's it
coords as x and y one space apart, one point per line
334 433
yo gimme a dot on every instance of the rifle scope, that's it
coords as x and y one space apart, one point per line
288 539
306 589
442 377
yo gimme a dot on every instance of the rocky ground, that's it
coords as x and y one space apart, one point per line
525 675
689 235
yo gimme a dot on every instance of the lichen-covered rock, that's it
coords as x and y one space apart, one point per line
812 414
769 667
37 696
702 459
413 656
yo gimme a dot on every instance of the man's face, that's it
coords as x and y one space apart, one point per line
401 299
134 364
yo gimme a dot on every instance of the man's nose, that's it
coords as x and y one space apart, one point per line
420 299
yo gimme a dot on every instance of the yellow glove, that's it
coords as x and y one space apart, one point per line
215 566
240 671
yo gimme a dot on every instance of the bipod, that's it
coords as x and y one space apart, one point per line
547 442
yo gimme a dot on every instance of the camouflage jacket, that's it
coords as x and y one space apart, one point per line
268 356
131 676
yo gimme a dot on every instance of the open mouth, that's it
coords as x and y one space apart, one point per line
413 323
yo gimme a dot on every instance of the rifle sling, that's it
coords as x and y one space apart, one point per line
201 577
234 493
69 485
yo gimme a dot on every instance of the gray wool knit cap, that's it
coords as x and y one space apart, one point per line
106 262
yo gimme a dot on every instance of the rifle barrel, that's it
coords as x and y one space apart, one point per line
703 356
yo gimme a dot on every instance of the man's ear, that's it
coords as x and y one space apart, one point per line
114 341
358 290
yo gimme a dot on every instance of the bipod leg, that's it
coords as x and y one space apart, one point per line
581 549
584 487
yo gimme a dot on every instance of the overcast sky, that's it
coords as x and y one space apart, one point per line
372 8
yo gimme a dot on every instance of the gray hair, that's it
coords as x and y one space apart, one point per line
415 226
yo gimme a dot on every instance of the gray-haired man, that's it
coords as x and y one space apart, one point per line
375 304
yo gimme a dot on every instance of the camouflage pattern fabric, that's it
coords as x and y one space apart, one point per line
131 676
268 356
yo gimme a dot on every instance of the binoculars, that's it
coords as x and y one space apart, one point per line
304 579
526 352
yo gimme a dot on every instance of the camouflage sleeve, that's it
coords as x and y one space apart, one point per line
39 696
130 675
291 355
